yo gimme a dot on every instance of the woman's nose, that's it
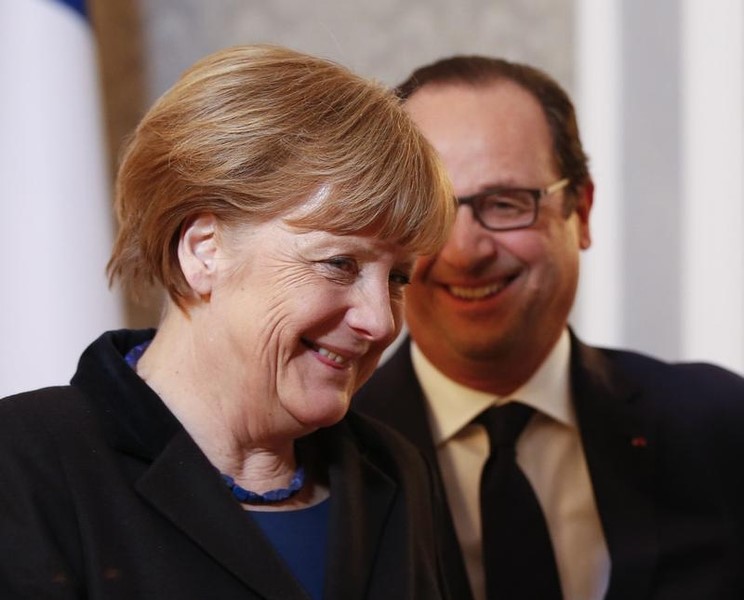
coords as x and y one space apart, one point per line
373 314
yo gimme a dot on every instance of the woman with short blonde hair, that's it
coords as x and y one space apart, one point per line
281 201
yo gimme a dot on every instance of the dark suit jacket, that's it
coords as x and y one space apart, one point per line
103 495
664 445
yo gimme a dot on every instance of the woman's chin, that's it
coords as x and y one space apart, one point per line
321 413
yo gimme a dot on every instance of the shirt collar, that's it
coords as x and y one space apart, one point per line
452 406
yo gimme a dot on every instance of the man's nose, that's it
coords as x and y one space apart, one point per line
469 242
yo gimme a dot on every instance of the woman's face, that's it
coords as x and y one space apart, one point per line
298 320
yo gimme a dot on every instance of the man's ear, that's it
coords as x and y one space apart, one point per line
197 251
583 209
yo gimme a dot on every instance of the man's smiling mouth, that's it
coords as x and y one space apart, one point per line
477 293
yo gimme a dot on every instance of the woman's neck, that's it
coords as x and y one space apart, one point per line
215 410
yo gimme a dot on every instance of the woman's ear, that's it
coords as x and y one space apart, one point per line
197 252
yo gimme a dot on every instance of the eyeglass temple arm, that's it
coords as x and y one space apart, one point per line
558 185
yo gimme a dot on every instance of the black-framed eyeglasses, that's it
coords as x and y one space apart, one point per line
504 209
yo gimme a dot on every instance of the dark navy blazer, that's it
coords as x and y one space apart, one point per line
104 496
664 445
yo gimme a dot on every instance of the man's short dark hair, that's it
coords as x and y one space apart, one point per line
559 111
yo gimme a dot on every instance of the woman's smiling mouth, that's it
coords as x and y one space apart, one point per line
326 353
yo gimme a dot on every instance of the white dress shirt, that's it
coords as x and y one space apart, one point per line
550 453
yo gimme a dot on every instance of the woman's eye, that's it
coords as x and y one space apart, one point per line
344 263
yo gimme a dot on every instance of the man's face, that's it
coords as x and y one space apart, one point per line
489 307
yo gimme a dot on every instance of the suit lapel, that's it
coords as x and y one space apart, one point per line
183 486
619 446
361 500
394 396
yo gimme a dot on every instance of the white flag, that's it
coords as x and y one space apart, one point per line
56 227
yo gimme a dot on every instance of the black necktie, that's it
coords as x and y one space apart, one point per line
517 554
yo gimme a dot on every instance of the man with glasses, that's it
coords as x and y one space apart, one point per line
626 482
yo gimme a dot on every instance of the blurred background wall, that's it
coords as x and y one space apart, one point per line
659 92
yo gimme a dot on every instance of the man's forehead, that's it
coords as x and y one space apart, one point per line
437 95
492 134
502 110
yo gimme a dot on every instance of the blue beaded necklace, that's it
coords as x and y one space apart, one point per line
239 493
279 495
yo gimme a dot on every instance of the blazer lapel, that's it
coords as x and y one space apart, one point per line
179 482
619 446
184 487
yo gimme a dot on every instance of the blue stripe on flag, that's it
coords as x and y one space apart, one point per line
76 5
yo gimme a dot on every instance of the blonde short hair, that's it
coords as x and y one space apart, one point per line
251 133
